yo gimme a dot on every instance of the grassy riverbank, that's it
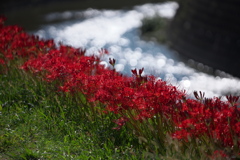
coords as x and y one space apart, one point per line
38 123
58 103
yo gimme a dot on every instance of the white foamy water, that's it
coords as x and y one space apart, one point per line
118 31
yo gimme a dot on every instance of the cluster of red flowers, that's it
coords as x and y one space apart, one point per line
214 118
14 42
143 96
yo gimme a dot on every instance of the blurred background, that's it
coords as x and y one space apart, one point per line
192 44
30 13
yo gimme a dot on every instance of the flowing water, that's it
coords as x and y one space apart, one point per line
118 32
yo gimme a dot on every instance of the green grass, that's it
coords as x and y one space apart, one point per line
37 122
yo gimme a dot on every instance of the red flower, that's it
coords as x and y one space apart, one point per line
2 61
120 122
218 154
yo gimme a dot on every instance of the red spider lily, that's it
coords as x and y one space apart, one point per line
213 118
219 154
112 61
2 61
138 76
232 99
120 122
14 42
103 52
137 73
197 96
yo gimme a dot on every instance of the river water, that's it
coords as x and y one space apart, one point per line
118 32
